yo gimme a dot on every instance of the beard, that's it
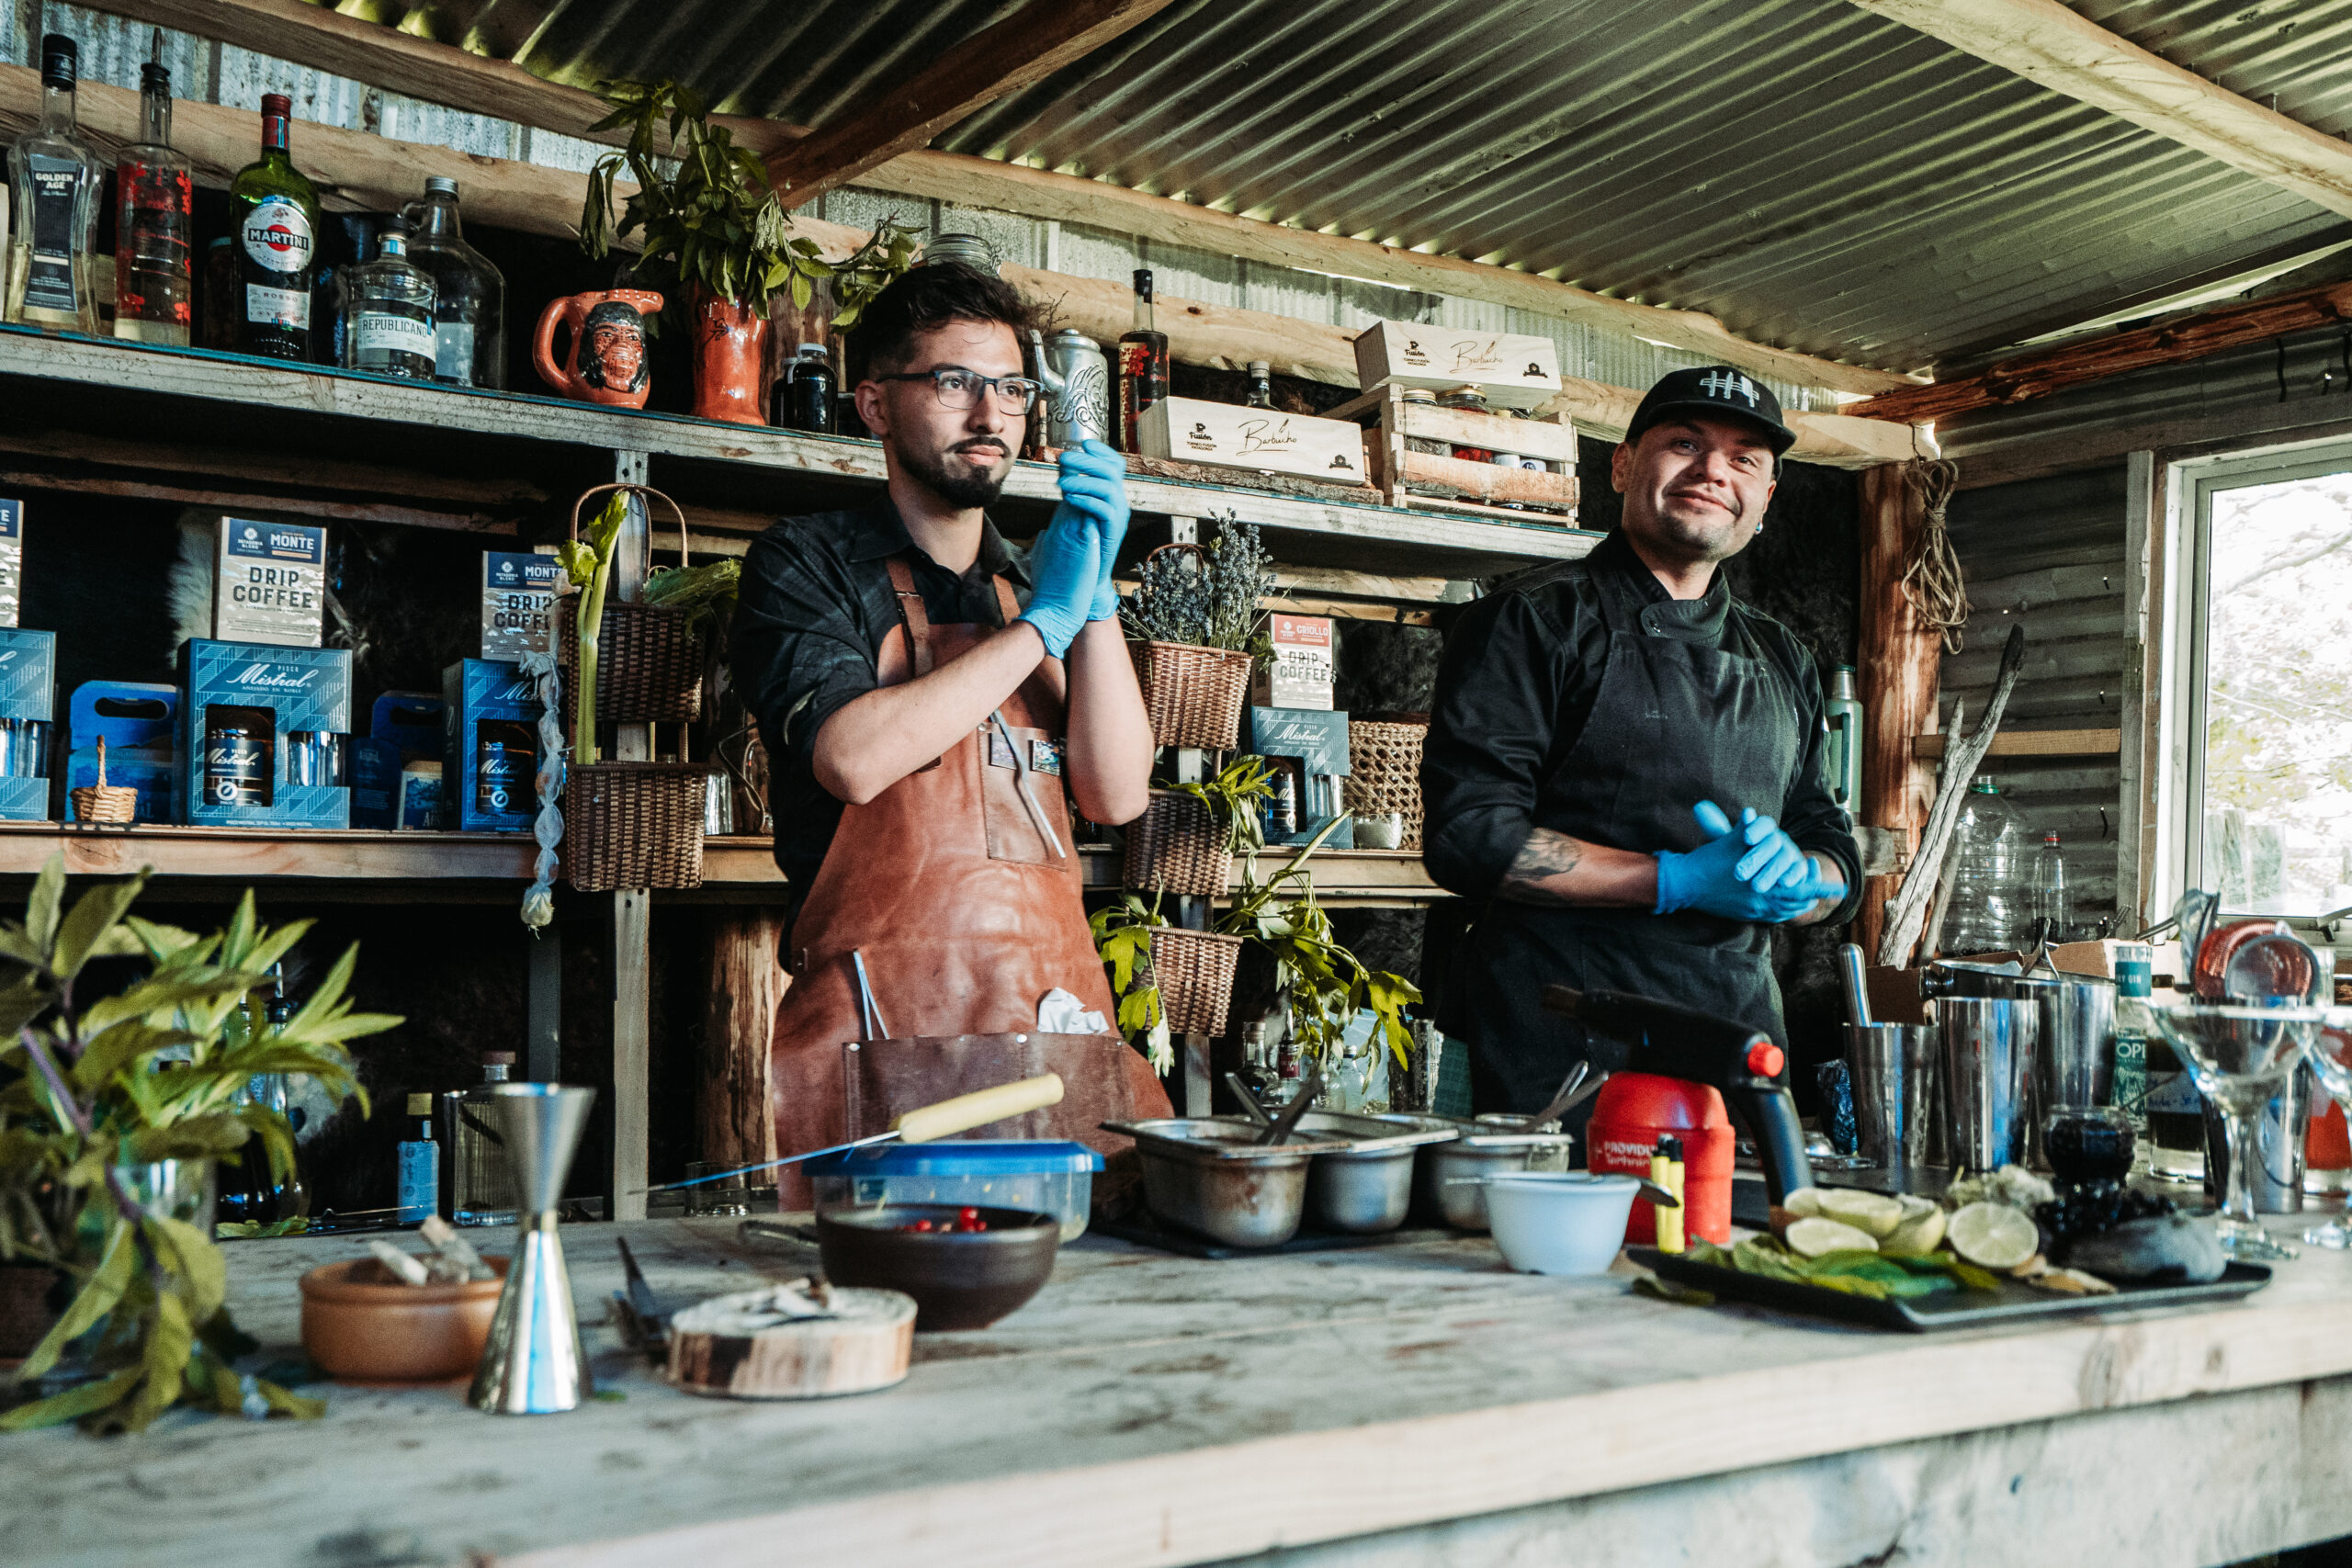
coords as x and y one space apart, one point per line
952 480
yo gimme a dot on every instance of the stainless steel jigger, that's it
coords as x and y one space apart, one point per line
534 1364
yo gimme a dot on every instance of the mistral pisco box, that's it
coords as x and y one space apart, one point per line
12 560
491 755
270 584
27 709
264 734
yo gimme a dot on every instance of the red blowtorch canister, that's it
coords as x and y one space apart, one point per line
1633 1112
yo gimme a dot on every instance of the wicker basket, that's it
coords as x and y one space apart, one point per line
1177 846
1195 694
1194 973
633 825
112 804
649 663
1384 774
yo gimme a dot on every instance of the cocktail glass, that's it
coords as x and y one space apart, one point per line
2239 1055
2330 1054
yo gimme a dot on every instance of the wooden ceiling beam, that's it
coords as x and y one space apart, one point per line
2030 376
995 63
2056 48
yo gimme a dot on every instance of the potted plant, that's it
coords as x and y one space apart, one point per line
1191 623
1186 838
104 1088
712 223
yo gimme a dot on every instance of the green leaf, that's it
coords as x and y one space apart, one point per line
171 1339
191 1254
94 1301
94 915
83 1399
803 291
195 1137
284 1401
16 945
120 1048
48 897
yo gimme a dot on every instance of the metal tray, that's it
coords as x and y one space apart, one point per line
2015 1302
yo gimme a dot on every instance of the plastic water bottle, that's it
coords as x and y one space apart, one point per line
1988 907
2050 901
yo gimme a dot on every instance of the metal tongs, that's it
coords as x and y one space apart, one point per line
1021 770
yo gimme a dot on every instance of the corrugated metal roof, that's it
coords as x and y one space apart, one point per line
1817 175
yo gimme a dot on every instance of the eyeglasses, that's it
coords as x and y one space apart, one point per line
959 389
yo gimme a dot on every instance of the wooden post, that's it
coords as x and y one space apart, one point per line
1900 666
632 916
747 981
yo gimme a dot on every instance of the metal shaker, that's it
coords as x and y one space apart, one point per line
1989 1049
1078 387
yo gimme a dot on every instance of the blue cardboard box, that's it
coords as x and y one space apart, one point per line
494 691
403 727
1316 739
29 695
274 692
137 720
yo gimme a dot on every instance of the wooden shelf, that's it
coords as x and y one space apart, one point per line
269 407
2035 743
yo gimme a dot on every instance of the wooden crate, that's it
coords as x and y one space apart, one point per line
1542 496
1222 436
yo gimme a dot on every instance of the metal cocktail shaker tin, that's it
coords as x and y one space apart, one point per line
1078 387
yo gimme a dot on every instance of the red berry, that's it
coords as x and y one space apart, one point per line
969 1216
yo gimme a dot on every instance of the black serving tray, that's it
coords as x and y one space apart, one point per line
2016 1302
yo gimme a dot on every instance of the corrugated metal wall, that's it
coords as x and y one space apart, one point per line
2047 555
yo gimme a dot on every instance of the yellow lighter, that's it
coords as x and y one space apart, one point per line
1666 1169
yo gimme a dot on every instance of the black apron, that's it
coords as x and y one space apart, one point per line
1675 721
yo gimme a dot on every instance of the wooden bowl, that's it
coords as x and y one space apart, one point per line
959 1279
362 1326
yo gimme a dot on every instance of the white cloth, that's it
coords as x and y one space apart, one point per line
1061 1013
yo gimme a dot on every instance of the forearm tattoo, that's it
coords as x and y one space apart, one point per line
1545 854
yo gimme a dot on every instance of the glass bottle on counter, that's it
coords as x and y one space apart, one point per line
1261 386
155 258
390 304
2053 907
55 180
2176 1109
469 294
275 212
2133 983
475 1186
250 1190
1143 365
418 1190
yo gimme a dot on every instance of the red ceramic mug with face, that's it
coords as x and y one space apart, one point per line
604 361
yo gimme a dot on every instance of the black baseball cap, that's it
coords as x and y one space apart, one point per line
1716 389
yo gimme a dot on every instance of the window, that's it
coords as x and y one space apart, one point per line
2263 780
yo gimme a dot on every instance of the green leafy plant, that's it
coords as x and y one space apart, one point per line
1232 798
98 1086
1880 1275
702 591
589 564
711 219
1204 595
1123 938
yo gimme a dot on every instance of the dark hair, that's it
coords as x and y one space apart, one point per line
924 300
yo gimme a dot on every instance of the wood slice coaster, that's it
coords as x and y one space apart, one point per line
793 1341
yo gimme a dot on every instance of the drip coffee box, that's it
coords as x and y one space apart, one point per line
269 583
518 592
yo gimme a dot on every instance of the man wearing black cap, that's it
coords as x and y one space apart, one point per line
1626 764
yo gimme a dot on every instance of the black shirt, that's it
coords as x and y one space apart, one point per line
815 603
1517 683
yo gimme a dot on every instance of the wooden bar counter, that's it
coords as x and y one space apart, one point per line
1409 1404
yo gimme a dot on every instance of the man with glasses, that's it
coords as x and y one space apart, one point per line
930 706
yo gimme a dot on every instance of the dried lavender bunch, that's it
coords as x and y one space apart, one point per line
1208 599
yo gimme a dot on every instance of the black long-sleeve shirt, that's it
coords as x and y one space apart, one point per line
1517 683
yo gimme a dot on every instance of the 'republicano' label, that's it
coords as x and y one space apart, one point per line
375 333
276 235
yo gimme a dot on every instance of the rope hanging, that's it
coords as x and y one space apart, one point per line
1931 580
538 899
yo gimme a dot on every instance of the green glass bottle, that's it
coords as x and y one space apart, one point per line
276 215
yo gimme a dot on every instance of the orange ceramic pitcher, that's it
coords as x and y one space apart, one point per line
605 362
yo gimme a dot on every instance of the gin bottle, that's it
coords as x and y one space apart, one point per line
155 282
277 217
470 295
389 304
55 179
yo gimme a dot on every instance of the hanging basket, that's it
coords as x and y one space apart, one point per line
115 804
1195 694
1194 973
1384 774
633 825
649 660
1177 846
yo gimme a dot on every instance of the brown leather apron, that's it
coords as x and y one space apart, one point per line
965 919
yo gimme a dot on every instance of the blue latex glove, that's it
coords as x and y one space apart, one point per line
1094 483
1726 875
1064 564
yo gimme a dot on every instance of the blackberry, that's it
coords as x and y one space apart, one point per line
2087 1208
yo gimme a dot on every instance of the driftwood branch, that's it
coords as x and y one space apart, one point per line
1908 909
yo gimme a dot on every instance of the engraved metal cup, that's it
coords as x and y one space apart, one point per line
534 1364
1078 387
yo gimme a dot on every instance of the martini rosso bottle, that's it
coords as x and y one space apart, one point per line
277 217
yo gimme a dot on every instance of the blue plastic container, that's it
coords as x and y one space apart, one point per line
1040 1175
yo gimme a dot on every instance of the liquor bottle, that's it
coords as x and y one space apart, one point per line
154 261
1143 365
2175 1114
250 1190
418 1193
55 178
389 304
1261 386
476 1188
2130 1084
470 295
804 397
277 218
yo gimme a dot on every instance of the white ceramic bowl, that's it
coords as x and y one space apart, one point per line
1566 1222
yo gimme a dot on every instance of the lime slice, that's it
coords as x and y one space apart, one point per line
1804 1203
1812 1237
1921 1230
1871 1211
1994 1236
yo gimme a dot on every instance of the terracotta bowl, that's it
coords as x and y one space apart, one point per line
959 1279
362 1326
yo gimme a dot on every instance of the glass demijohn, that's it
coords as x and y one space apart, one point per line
470 295
389 303
154 260
54 178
